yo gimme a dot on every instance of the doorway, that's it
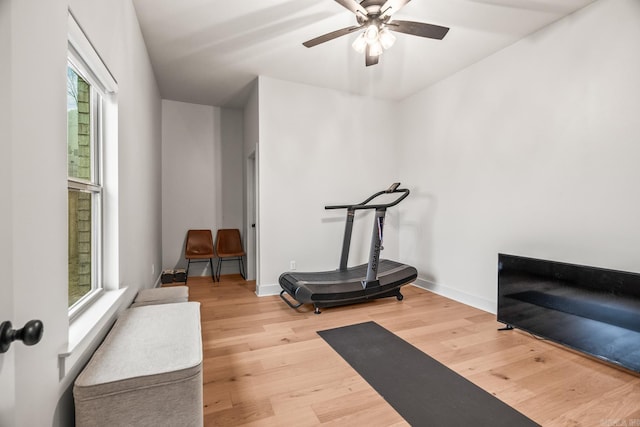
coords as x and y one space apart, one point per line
252 214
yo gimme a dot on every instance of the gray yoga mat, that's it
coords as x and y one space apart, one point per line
421 389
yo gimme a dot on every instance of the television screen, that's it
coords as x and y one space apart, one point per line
589 309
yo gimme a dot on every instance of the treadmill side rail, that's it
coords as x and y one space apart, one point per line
289 302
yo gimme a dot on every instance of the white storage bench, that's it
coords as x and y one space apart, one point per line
147 372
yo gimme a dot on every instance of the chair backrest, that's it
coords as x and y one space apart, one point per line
228 243
199 244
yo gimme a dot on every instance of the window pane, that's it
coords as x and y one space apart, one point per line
80 246
78 126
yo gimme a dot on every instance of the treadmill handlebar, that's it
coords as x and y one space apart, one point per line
393 189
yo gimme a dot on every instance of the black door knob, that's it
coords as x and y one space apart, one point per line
30 334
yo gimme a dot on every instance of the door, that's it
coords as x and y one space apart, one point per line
7 364
251 226
32 206
7 375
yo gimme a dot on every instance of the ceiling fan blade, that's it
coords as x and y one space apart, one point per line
370 59
353 6
330 36
395 6
418 29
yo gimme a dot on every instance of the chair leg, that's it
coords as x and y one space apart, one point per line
242 273
213 272
186 279
219 268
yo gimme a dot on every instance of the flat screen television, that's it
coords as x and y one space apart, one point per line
589 309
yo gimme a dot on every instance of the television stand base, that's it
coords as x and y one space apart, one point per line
507 327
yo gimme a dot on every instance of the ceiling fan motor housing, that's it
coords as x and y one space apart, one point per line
372 5
374 10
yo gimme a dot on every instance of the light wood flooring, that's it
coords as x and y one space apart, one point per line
264 364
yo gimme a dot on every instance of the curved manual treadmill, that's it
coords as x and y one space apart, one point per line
379 278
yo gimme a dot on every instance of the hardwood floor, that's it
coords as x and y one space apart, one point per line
264 364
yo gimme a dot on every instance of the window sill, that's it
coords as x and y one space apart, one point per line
88 328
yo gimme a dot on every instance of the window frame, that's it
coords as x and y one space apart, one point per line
87 64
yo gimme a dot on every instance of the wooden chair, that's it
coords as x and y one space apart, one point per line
199 248
229 248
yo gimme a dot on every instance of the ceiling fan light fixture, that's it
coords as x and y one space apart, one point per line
386 38
360 43
375 48
371 33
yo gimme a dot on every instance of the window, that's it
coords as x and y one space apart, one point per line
84 185
90 121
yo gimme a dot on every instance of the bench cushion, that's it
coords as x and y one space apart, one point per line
161 296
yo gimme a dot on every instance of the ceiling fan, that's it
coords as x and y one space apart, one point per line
374 16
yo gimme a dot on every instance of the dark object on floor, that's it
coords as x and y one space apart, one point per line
199 247
376 279
229 248
166 276
180 275
421 389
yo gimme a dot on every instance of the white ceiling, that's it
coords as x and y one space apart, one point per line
209 51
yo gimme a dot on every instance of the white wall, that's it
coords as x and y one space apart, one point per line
232 143
319 147
191 177
202 176
532 151
251 116
37 197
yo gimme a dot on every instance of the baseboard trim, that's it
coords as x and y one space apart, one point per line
454 294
